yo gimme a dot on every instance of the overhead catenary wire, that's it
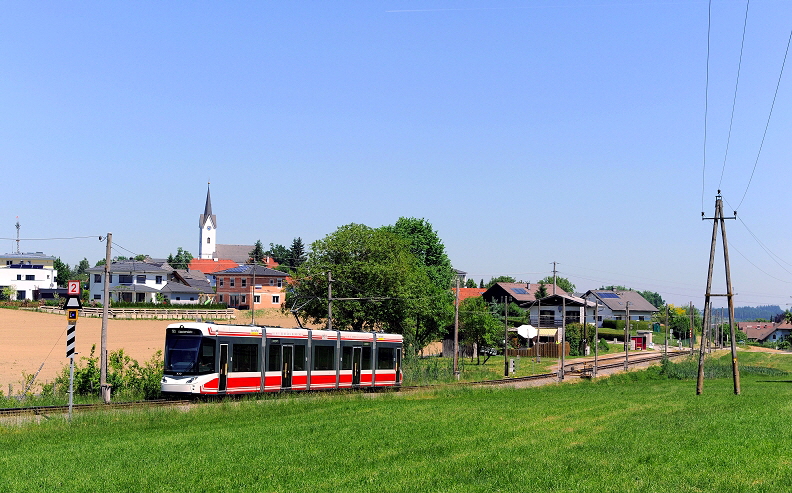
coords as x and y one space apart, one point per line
767 125
734 99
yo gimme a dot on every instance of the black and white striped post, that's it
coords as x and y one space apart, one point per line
71 308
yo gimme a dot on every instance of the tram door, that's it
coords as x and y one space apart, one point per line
287 367
221 386
357 359
398 365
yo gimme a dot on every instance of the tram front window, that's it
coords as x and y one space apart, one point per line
182 354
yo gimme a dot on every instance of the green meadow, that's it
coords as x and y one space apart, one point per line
640 431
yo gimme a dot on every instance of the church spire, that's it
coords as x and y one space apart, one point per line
208 207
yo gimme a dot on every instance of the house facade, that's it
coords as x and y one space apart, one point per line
517 292
141 282
765 331
27 273
559 309
613 305
251 285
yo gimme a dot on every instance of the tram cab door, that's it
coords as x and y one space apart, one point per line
357 360
398 365
287 366
221 385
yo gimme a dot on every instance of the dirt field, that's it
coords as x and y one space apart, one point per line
31 338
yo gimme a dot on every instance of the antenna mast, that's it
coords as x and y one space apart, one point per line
17 240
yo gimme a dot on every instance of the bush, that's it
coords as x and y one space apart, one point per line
128 378
166 306
603 345
634 325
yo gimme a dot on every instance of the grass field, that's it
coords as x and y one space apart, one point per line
633 432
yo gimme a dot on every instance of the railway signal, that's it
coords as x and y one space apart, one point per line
71 308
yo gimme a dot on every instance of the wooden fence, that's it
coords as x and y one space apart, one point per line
546 350
153 313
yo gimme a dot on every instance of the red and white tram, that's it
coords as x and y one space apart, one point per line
212 359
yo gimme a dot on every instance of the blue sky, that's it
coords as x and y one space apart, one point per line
525 132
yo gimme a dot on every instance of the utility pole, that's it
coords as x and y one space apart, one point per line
253 295
329 301
506 336
665 350
692 325
563 337
596 337
627 338
17 240
104 388
456 331
538 328
554 277
720 220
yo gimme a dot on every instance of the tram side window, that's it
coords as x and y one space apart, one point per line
206 359
385 358
324 358
299 358
274 358
245 357
346 358
366 356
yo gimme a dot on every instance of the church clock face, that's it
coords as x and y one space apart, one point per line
208 228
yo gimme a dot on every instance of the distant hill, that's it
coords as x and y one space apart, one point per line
748 313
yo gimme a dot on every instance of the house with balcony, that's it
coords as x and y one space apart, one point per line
28 273
251 285
131 282
615 304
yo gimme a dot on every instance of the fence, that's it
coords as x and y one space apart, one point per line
153 313
546 350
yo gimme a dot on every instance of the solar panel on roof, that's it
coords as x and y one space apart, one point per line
608 295
519 291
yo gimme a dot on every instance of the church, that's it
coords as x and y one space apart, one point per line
209 249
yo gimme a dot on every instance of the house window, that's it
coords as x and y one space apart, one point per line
124 278
244 282
220 282
141 279
244 298
221 298
257 298
158 279
30 277
97 278
280 283
272 282
110 280
178 298
208 240
97 296
275 298
233 282
19 277
641 318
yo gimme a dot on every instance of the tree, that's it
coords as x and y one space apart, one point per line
478 325
279 253
498 279
64 272
140 258
433 304
9 292
103 261
296 253
481 284
373 265
81 272
470 283
561 282
257 254
181 260
541 292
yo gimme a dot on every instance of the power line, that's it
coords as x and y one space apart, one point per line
767 125
49 239
734 100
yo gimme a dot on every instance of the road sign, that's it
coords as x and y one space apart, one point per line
72 303
73 288
70 340
71 315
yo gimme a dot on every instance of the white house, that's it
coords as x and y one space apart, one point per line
141 282
27 272
614 304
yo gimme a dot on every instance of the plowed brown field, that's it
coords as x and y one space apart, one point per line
28 339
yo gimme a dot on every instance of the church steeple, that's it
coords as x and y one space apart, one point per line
207 222
208 207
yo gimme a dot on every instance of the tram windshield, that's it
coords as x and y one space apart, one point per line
188 354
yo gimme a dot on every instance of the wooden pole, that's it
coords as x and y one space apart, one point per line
456 331
329 301
627 338
730 297
103 387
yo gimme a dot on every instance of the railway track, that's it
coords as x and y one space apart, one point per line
48 410
577 368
